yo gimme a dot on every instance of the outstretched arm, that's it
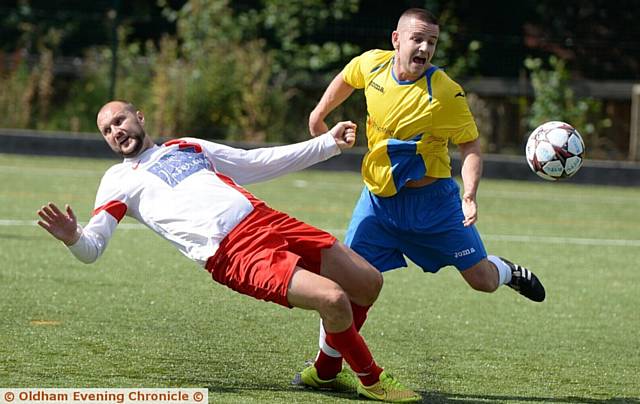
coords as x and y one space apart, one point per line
335 94
255 165
471 173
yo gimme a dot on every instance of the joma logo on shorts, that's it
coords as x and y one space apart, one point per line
462 253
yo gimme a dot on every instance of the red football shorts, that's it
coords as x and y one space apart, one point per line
259 255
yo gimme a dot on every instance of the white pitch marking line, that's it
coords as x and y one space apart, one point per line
562 240
26 223
492 237
57 171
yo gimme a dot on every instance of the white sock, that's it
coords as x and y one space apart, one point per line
324 347
504 272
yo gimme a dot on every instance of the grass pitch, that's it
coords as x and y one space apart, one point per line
144 316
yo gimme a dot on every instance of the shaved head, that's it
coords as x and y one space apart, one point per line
120 104
418 13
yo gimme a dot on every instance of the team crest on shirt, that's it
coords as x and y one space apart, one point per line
177 165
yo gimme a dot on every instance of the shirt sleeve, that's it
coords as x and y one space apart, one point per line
352 73
455 120
255 165
110 208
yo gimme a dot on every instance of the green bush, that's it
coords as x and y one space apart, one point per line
210 82
215 78
198 83
26 96
18 90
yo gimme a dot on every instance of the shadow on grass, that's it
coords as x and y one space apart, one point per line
240 390
431 397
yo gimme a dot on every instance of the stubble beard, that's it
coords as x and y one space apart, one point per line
137 137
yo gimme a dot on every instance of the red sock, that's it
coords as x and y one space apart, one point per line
355 351
328 366
359 315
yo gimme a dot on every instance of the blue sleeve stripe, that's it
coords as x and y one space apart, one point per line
428 74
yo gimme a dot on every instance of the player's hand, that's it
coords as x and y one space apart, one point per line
317 126
469 209
344 133
60 225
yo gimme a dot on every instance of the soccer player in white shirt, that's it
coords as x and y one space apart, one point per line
189 192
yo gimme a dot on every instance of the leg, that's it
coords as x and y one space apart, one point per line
311 291
362 282
483 276
493 271
369 237
314 292
267 257
357 277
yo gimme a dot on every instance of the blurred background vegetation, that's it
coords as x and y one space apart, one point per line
253 70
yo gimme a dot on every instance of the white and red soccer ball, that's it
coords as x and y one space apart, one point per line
555 150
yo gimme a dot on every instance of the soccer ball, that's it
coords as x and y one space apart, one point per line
555 150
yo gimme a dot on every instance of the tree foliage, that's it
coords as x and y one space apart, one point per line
253 69
598 39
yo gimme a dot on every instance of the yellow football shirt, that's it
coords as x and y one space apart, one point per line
409 123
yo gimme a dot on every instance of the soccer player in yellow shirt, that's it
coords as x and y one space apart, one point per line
410 205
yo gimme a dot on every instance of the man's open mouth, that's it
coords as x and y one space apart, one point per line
419 60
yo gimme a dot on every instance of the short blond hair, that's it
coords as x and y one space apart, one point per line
421 14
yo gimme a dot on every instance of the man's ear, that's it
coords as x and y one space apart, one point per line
140 117
395 39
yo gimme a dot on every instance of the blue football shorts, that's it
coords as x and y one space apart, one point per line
423 224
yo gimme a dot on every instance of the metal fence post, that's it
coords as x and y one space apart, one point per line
114 16
634 135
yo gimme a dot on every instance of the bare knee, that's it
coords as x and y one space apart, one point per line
335 308
482 277
364 285
354 274
369 288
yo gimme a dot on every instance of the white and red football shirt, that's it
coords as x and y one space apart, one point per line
179 190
